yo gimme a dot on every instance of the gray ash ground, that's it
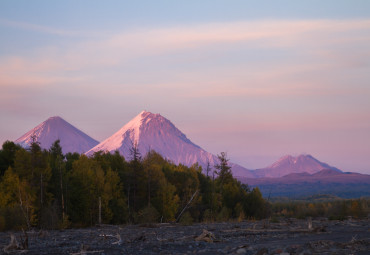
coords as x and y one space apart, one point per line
288 236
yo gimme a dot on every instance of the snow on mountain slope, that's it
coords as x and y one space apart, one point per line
54 128
289 164
154 132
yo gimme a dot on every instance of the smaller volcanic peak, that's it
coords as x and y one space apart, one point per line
289 164
284 161
54 128
326 172
326 181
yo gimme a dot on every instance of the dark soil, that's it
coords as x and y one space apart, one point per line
288 236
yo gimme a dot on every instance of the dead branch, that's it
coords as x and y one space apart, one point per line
14 246
185 238
117 236
43 233
84 250
25 214
119 242
309 223
186 206
24 243
206 236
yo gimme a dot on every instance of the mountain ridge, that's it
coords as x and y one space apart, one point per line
289 164
153 131
326 181
46 133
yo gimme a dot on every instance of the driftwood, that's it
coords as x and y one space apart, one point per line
309 223
42 233
15 246
119 242
24 243
117 236
84 250
206 236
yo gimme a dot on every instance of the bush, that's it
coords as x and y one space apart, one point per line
12 218
65 223
148 215
208 216
186 219
2 223
224 214
49 218
239 212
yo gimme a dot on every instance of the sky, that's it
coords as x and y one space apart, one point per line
257 79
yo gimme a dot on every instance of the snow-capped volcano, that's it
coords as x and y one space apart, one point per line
154 132
54 128
289 164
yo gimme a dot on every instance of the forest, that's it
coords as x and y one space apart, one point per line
49 190
46 189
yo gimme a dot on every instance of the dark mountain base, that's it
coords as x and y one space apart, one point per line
299 190
327 181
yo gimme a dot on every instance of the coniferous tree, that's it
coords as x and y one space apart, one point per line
7 155
148 189
58 179
135 178
223 172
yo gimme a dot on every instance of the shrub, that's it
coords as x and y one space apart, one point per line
208 216
12 218
224 214
186 219
148 215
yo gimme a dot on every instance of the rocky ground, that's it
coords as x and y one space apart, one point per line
287 236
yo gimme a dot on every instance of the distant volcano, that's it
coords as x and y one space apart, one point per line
154 132
289 164
54 128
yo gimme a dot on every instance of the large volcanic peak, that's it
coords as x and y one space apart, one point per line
54 128
151 131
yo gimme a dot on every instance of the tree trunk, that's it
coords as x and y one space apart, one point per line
61 191
99 210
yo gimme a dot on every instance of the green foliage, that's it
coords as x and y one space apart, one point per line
46 189
87 180
186 219
255 205
70 158
223 170
148 215
12 218
7 156
224 214
208 216
338 209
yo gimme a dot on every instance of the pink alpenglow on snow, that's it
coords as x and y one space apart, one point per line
54 128
154 132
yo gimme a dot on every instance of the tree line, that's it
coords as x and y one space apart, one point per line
338 209
47 189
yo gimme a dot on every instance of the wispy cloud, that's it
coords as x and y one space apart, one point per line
43 29
284 85
297 48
